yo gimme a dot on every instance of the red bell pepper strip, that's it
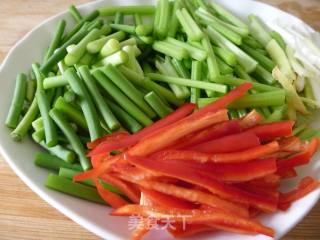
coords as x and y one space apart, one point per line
271 131
217 218
227 144
173 132
92 173
194 195
173 117
280 155
96 160
291 144
306 185
221 103
225 100
107 138
300 158
127 188
235 157
284 206
145 201
189 175
207 134
254 212
101 169
141 229
180 113
130 140
268 192
231 172
165 179
180 230
114 200
270 181
138 174
290 173
161 199
251 119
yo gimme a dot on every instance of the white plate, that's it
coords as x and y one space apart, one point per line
94 217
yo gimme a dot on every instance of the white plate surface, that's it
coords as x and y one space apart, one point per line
94 217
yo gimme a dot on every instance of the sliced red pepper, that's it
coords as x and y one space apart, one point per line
291 144
189 175
271 131
115 136
161 199
173 117
181 230
96 160
145 201
268 192
207 134
127 169
300 158
306 185
165 179
290 173
235 157
284 206
141 229
177 115
217 219
227 144
173 132
194 195
254 212
215 106
230 172
114 200
225 100
199 195
251 119
127 188
86 175
270 181
247 171
280 155
101 169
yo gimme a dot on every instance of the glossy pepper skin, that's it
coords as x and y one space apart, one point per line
161 199
111 198
168 135
229 172
107 146
213 132
299 159
267 132
227 144
216 218
115 136
192 195
233 157
189 175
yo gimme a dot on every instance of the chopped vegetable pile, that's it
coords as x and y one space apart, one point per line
179 111
204 168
